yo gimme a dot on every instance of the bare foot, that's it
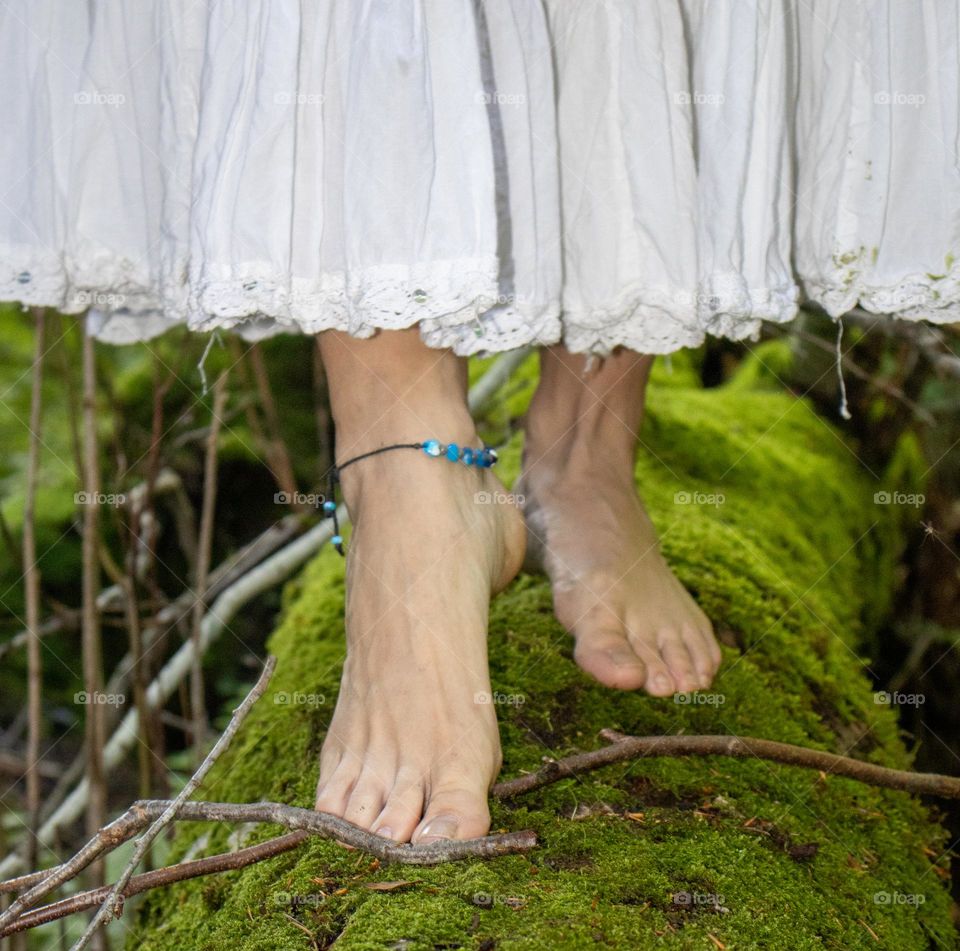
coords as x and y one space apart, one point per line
635 625
413 746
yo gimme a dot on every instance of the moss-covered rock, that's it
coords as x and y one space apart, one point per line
767 518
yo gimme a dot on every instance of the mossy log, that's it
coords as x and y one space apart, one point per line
767 517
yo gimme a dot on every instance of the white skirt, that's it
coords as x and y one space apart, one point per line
500 172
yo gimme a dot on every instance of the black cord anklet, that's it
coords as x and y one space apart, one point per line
482 458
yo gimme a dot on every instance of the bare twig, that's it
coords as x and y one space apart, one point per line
224 862
142 813
743 747
31 572
277 452
265 576
621 748
198 710
114 904
91 643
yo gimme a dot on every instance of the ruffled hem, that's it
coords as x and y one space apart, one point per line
932 297
659 320
455 303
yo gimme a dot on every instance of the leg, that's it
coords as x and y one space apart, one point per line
634 623
409 752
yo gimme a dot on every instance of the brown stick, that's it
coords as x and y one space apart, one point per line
31 573
109 908
624 747
308 821
277 453
225 862
90 638
197 705
621 748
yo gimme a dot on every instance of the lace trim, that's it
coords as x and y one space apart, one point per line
658 320
455 303
932 297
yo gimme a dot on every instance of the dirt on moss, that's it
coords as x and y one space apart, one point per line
766 515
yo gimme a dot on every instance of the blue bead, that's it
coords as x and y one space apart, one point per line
329 506
467 456
432 447
486 458
337 540
453 452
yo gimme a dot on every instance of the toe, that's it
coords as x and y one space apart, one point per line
366 799
698 646
609 658
454 812
403 809
678 660
334 794
659 682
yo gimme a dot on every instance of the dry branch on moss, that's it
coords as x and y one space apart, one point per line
307 822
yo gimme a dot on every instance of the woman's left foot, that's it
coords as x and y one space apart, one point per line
634 623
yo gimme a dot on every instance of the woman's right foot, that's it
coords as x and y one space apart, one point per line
413 746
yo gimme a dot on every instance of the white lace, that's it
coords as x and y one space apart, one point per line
455 303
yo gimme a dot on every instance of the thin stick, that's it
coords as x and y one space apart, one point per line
198 711
224 862
276 448
91 642
265 576
31 574
624 747
621 748
114 904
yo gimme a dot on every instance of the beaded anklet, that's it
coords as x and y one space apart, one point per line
482 458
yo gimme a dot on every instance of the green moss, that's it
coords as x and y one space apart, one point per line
789 556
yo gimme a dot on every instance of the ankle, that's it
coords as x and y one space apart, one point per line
365 432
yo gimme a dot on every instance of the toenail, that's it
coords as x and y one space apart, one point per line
623 658
661 681
385 832
443 827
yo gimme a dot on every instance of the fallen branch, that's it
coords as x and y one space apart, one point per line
624 747
114 905
224 862
306 821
